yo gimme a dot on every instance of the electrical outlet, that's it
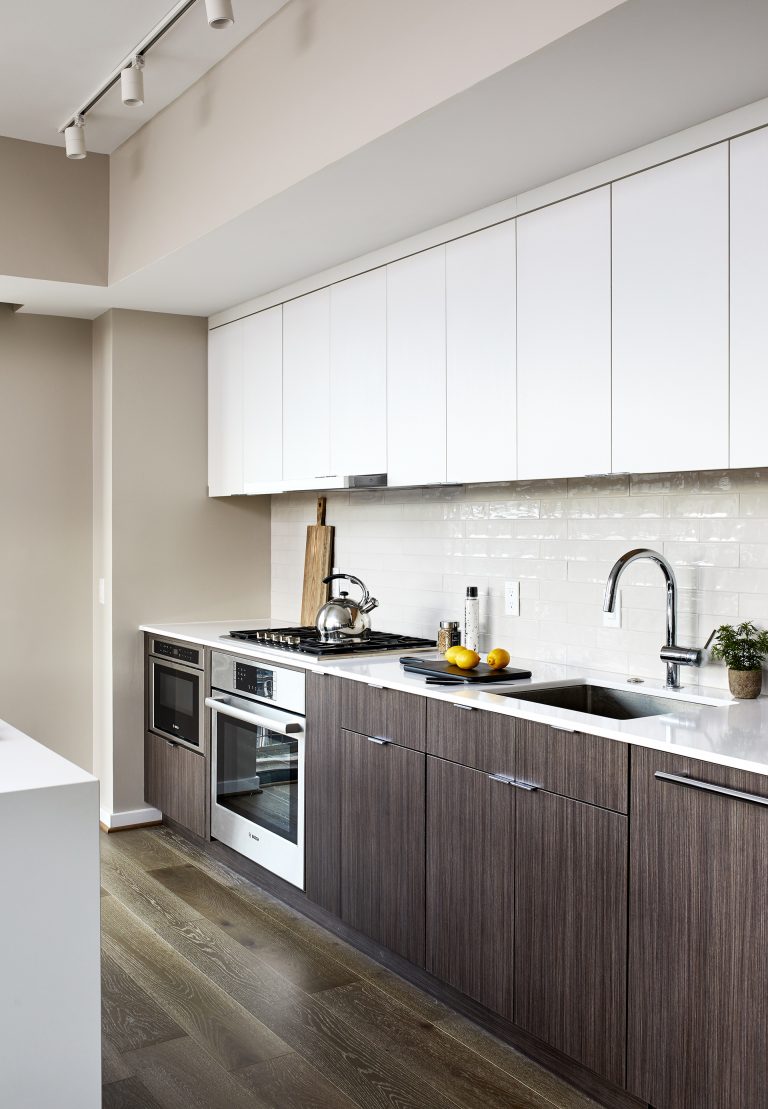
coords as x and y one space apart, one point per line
613 619
511 598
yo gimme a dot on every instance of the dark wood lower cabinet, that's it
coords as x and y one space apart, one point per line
176 782
470 882
698 984
571 928
323 761
383 843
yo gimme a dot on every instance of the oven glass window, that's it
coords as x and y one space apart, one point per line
176 703
257 776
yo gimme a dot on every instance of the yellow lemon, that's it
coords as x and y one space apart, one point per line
498 658
466 659
450 654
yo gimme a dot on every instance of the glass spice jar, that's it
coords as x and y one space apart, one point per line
448 635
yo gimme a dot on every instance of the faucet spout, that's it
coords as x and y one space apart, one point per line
609 600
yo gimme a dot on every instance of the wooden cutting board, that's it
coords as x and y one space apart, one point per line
318 563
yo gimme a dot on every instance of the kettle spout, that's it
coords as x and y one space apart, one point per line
369 604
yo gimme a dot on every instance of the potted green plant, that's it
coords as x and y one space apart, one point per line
742 649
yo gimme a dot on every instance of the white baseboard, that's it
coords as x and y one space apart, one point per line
129 818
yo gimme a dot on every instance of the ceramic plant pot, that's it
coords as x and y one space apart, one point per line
745 684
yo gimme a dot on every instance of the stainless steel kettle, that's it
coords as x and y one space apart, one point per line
341 618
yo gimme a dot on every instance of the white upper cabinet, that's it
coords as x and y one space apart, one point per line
480 336
358 437
670 316
263 401
416 433
306 390
225 410
564 338
749 296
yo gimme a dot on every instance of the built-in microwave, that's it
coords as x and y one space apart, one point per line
176 683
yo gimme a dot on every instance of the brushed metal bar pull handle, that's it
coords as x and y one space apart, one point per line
171 743
708 787
373 685
513 782
467 708
375 739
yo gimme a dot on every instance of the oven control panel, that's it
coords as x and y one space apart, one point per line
171 650
254 680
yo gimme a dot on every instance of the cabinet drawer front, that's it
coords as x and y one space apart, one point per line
573 764
474 737
175 781
384 713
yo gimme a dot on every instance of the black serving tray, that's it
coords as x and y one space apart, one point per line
440 670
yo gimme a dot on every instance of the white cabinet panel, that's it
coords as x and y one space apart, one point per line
263 401
564 338
225 410
358 444
749 297
416 369
480 335
306 390
670 315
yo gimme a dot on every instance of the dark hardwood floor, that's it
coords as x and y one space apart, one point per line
217 996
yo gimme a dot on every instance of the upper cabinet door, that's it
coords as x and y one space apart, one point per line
359 374
306 390
670 315
480 332
564 338
225 410
416 369
749 293
263 401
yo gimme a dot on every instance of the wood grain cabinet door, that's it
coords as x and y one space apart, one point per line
323 761
698 982
383 843
470 882
176 782
571 928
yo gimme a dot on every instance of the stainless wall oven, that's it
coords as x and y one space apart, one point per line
176 682
257 762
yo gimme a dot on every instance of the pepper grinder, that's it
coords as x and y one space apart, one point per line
472 619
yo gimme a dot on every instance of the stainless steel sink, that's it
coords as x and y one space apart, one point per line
598 700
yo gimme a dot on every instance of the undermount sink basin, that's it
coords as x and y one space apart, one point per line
598 700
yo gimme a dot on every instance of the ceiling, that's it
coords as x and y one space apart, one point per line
57 52
645 70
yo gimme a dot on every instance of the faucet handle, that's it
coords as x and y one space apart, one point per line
687 656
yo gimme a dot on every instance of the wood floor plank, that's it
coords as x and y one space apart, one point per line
143 845
129 1017
291 1083
233 1036
130 1093
460 1074
559 1093
181 1076
113 1065
275 945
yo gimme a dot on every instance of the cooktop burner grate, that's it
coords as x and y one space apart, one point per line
306 641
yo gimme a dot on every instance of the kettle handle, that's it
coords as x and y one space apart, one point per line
367 602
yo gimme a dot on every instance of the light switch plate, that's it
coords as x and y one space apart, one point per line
511 598
613 619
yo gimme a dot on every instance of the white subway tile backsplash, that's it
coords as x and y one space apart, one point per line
419 549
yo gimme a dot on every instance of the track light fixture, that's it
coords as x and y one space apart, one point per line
74 138
130 72
132 83
219 13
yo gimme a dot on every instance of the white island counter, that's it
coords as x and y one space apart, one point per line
50 1039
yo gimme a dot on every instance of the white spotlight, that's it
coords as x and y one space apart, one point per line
132 83
219 13
74 138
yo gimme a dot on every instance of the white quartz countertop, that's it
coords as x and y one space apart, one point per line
26 764
709 724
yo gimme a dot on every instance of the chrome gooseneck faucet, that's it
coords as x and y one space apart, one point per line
673 655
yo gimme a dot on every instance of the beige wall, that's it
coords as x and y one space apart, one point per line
175 554
54 213
318 81
45 552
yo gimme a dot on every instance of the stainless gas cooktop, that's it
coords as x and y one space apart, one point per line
306 641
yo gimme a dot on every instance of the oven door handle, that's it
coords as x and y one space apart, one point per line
284 724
